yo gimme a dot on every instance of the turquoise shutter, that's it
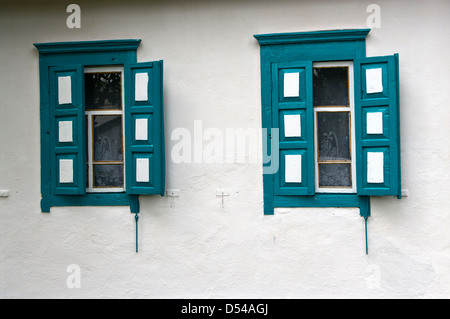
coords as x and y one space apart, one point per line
377 126
67 139
144 128
293 115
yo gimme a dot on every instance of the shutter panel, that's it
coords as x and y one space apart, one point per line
144 128
293 115
67 139
377 126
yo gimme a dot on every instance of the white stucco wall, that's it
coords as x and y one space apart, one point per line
190 246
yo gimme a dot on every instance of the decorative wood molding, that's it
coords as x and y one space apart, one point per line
88 46
312 37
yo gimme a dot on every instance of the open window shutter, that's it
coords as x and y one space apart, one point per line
292 113
377 126
144 128
67 139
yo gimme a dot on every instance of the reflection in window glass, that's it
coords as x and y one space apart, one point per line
104 129
333 136
108 138
108 175
335 175
330 86
334 155
334 144
103 91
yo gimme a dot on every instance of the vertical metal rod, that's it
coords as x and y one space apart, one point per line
367 246
136 218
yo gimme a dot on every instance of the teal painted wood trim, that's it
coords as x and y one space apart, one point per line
73 112
388 143
326 200
88 59
334 45
151 149
312 37
45 204
104 199
88 46
364 206
96 199
135 206
45 136
303 106
315 52
86 53
162 131
266 121
399 160
63 54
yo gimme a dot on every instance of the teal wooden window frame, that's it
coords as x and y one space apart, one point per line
298 51
73 57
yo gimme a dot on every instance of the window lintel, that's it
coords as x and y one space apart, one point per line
88 46
312 36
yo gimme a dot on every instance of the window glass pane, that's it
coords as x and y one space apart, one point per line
333 136
107 137
330 86
103 90
335 175
108 175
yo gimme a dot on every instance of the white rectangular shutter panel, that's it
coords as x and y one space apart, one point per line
292 84
142 170
66 171
374 122
293 168
141 87
374 80
65 131
375 167
65 90
292 125
141 133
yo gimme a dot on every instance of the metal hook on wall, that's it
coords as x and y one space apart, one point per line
222 193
